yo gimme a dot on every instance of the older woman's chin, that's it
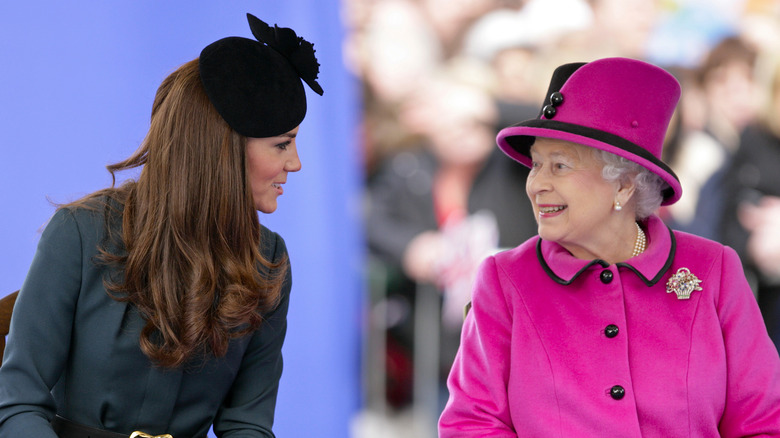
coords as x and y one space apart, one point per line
546 234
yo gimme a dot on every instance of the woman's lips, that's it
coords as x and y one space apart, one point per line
550 210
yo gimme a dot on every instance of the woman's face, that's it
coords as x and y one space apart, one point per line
572 202
269 160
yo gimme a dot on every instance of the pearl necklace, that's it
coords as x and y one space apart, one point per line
641 241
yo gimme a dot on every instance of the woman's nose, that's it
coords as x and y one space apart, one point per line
538 181
294 163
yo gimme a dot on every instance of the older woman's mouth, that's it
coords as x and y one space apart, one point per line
551 209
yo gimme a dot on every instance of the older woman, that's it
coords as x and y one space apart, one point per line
608 323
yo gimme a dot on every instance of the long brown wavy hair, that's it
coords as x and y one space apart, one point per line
189 255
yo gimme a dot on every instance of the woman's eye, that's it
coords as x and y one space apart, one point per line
283 146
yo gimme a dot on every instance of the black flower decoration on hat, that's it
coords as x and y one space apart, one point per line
297 50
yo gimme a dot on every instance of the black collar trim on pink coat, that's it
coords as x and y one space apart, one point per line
604 264
663 270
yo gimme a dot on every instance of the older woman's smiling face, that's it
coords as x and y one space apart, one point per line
572 201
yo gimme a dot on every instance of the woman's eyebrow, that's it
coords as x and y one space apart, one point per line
557 154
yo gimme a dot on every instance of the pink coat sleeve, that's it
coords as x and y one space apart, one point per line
478 405
753 370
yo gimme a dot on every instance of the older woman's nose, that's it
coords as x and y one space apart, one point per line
538 181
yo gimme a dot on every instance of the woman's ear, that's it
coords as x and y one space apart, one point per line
625 190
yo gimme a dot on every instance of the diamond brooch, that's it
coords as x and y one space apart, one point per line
683 283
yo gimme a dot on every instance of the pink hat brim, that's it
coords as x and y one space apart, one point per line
671 195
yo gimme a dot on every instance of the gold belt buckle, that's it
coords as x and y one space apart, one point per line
138 434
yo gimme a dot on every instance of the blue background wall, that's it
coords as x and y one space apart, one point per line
76 85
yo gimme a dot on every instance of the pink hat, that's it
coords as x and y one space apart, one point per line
619 105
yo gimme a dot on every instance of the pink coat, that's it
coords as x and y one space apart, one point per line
559 347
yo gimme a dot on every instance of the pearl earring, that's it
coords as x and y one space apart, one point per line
618 207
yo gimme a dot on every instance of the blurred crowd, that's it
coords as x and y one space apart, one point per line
441 77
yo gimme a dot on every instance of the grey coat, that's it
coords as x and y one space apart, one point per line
73 350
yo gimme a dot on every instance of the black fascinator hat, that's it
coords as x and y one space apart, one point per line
256 85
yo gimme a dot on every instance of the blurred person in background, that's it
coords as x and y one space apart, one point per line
617 28
608 323
435 211
391 48
751 220
511 42
450 19
727 103
395 45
